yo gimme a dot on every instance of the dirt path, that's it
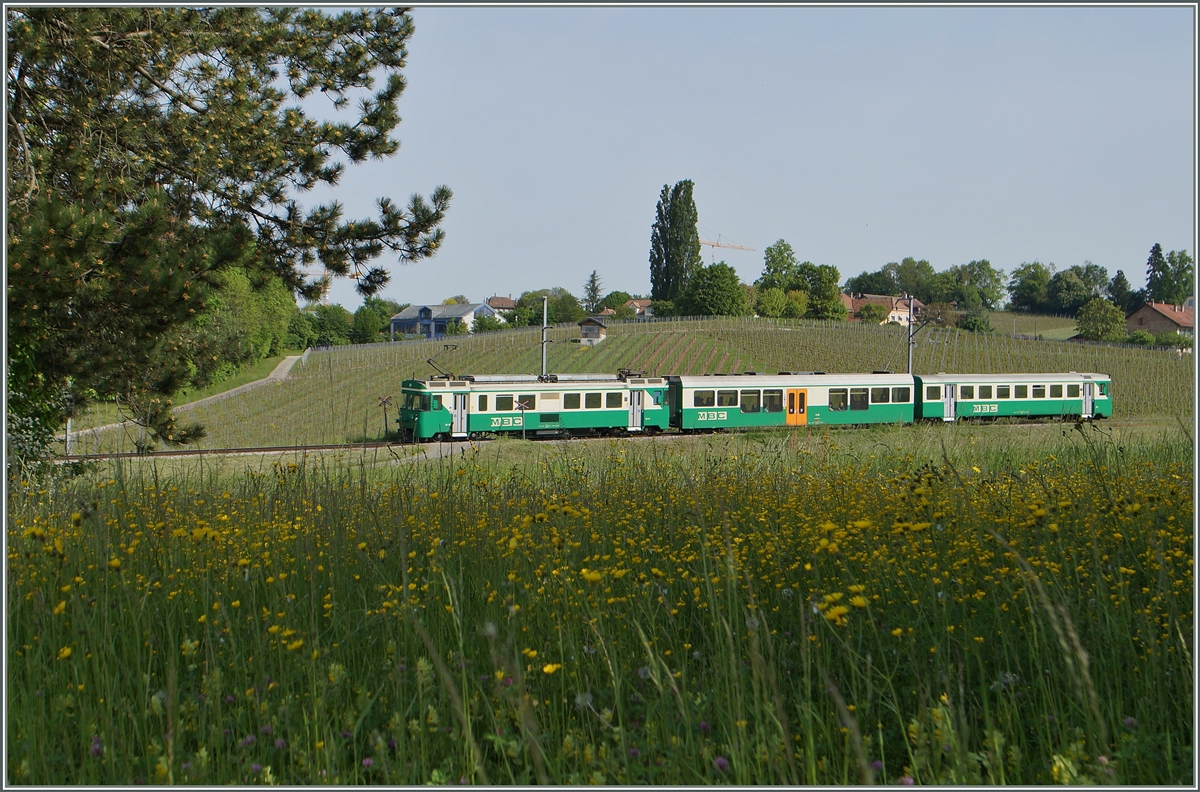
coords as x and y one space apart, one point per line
278 374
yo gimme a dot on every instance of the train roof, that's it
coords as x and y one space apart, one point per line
532 382
797 380
1070 376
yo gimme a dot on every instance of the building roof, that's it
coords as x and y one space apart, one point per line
1184 317
891 304
638 303
502 303
596 320
606 312
456 311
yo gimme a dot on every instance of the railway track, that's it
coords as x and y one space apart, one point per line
397 446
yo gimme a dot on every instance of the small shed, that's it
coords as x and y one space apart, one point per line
592 331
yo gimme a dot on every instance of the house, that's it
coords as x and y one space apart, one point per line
640 307
607 312
432 321
498 303
592 331
1156 318
896 307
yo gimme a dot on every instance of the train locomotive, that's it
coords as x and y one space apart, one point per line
451 407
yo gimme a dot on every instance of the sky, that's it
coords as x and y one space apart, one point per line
859 135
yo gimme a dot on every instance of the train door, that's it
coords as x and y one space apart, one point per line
458 415
635 410
1089 396
949 402
797 406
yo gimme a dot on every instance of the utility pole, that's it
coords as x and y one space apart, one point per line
545 314
911 343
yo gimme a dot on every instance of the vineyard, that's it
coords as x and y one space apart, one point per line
334 396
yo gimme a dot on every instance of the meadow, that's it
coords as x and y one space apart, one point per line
334 396
896 605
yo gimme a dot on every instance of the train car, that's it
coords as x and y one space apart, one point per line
558 405
739 401
950 397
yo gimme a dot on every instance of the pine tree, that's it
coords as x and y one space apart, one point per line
150 148
1159 285
593 291
674 242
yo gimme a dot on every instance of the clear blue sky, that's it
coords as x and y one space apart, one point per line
859 135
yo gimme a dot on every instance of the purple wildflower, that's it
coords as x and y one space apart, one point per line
1130 722
248 740
255 768
97 746
704 727
721 763
280 743
877 765
634 752
229 699
265 729
368 762
907 780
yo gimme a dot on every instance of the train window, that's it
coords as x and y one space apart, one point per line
933 393
727 398
704 399
1002 391
570 401
966 391
504 403
1072 391
751 401
1020 391
1056 391
592 400
1104 388
880 395
526 401
655 396
482 403
612 399
1039 391
858 399
837 398
772 401
437 402
985 391
901 395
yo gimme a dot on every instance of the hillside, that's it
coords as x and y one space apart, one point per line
334 396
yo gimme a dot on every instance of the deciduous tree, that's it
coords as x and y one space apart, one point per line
1100 320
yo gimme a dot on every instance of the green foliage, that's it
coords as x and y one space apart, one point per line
486 324
674 242
824 294
664 307
1100 320
614 300
715 290
332 324
772 302
797 304
1122 295
624 311
457 299
302 329
872 313
1069 289
1171 279
1140 337
779 267
1173 340
365 326
561 307
1027 287
593 289
150 148
881 282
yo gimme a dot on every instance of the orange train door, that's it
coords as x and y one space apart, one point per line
797 407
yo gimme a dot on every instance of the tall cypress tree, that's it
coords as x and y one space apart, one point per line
674 242
1158 276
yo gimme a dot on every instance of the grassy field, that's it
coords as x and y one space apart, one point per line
894 605
334 397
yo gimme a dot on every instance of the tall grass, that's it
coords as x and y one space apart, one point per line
777 608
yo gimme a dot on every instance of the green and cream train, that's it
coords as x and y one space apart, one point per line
446 408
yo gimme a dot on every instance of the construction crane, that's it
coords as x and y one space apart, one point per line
719 243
